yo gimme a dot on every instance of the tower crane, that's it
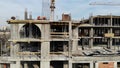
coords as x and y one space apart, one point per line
103 3
52 7
48 7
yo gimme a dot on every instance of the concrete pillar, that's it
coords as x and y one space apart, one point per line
25 65
111 43
14 35
75 39
44 64
91 19
70 40
14 31
111 30
0 65
45 31
91 65
45 46
15 65
45 50
16 49
91 32
111 18
110 38
12 49
96 65
91 38
12 65
18 64
65 65
70 64
74 45
115 64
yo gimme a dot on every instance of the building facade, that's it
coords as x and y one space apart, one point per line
90 43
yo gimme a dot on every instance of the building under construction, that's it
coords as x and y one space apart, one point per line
41 43
44 43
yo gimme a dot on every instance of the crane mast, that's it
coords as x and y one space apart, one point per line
48 7
52 7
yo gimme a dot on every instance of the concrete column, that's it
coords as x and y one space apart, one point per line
70 64
91 32
91 38
12 49
16 49
0 65
25 65
111 20
74 45
91 19
110 38
15 65
70 40
44 64
14 31
115 64
91 65
45 31
111 30
111 43
75 39
45 46
18 64
65 65
96 65
45 50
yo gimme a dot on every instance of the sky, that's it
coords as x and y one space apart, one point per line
78 9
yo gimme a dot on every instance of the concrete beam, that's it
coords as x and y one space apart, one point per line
98 58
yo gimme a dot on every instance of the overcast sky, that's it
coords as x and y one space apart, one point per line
77 8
